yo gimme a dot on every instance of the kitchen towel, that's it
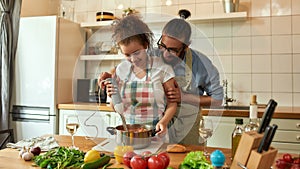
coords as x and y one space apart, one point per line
45 143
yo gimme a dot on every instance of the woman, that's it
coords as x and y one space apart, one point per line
142 79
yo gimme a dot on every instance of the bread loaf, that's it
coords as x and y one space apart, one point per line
176 148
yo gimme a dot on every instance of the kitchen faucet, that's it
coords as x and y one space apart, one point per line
226 98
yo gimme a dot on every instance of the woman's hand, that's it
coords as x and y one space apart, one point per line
109 88
102 77
161 129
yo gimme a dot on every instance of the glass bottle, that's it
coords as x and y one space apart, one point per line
236 136
253 123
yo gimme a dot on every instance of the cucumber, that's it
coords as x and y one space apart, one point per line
97 163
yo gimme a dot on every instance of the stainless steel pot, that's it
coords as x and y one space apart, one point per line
138 135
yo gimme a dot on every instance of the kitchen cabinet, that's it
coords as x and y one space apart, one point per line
286 139
92 123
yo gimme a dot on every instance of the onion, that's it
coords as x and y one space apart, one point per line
35 150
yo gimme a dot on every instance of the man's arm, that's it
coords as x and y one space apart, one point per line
200 100
175 95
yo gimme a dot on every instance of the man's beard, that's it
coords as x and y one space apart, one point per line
171 60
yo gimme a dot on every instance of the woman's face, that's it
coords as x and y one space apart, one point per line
135 53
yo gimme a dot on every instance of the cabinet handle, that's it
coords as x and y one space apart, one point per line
298 138
298 125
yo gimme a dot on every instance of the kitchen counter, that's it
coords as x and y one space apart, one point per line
280 112
9 158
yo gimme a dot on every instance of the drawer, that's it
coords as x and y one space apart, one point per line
287 136
287 124
287 147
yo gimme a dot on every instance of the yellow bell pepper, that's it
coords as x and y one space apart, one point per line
120 151
91 155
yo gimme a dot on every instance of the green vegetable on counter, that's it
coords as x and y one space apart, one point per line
102 161
59 158
195 160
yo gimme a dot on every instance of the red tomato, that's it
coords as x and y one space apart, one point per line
165 157
287 158
154 162
127 158
281 164
146 155
295 166
138 162
297 160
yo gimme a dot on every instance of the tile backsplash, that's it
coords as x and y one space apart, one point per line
259 55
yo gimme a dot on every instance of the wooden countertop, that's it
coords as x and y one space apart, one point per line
280 112
9 158
85 106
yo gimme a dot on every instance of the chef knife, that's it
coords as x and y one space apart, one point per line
263 141
267 116
270 137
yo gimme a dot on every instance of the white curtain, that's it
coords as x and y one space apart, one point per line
9 30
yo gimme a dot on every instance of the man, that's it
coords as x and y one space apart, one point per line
195 75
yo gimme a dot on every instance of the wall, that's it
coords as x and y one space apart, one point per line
258 56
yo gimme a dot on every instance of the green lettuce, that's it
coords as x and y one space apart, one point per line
195 160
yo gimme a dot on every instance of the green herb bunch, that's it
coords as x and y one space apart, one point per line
59 158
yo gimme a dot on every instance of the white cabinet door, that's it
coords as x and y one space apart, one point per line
287 136
92 123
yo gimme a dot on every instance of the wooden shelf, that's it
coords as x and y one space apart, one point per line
164 19
102 57
95 24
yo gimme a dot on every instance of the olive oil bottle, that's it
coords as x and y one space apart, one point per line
236 136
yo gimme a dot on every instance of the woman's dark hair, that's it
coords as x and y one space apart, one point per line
132 28
179 28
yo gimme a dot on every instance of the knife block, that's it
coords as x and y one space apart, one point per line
249 141
261 160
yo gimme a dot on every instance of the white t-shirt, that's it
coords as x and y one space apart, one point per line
160 73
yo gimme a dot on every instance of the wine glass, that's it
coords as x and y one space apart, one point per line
72 125
205 132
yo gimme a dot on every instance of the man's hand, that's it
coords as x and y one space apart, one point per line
102 77
174 94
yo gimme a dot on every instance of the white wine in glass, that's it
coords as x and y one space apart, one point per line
205 132
72 125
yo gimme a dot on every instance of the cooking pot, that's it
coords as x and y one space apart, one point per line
138 135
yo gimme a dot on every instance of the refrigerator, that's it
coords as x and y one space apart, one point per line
47 52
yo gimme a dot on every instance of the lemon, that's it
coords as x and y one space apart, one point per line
91 155
120 151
